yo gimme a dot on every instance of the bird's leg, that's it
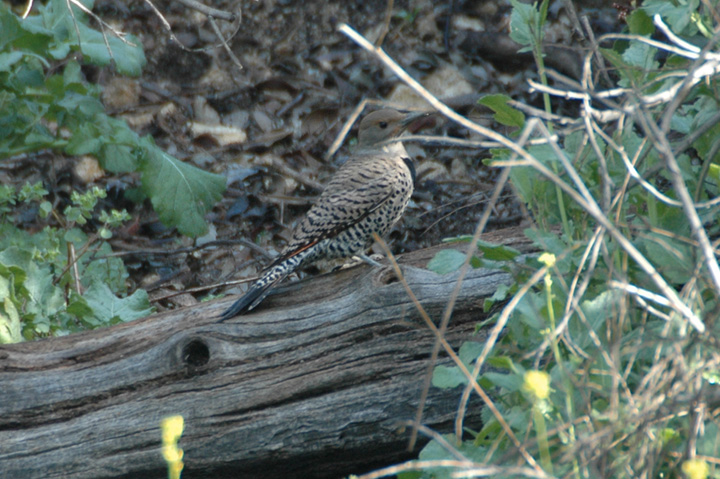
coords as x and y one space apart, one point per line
358 259
369 260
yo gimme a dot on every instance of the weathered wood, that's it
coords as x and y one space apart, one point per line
314 384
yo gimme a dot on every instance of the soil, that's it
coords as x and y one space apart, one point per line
299 82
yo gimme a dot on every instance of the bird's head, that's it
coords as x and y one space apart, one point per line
383 125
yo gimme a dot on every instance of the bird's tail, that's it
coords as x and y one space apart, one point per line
251 299
278 271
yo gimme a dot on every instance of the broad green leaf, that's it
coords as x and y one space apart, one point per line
180 193
9 318
10 331
469 352
673 258
117 158
714 173
108 308
497 252
79 307
640 23
108 269
502 362
43 298
511 381
85 140
546 241
641 55
7 60
500 294
448 377
678 15
27 35
128 56
504 113
522 17
446 261
597 312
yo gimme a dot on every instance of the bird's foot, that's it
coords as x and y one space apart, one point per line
372 260
359 259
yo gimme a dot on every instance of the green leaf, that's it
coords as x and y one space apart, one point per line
522 17
678 15
106 268
704 144
117 153
469 352
497 252
512 382
641 55
597 312
502 362
458 239
714 173
9 318
28 35
118 158
110 139
7 60
434 450
128 56
445 377
108 308
640 23
543 11
546 241
673 258
410 475
43 298
500 294
180 193
80 309
86 140
10 331
446 261
504 113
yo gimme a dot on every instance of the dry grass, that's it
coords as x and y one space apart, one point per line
622 317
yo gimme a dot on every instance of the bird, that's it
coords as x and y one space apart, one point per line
368 194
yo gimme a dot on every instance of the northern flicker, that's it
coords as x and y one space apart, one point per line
367 195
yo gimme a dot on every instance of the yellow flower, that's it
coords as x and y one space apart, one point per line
175 469
548 259
171 453
172 428
537 383
695 469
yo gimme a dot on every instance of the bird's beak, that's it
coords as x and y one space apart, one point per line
413 116
408 123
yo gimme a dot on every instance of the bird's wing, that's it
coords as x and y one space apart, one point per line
357 190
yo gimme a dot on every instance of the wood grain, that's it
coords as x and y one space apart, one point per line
315 383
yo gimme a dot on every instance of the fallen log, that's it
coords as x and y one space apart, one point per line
315 383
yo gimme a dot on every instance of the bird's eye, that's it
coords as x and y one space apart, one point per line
383 124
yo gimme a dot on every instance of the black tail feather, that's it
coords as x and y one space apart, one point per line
275 273
251 299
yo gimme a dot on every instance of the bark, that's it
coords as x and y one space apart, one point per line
317 382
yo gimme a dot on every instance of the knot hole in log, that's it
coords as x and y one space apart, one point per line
195 353
386 276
